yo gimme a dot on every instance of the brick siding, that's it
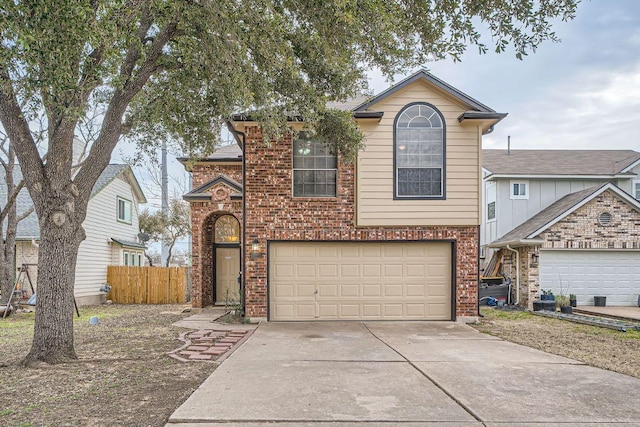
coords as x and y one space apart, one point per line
581 230
273 214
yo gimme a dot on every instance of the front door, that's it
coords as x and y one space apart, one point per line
227 273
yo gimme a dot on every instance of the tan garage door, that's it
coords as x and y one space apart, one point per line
359 281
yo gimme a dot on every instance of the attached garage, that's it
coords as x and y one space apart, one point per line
587 273
360 281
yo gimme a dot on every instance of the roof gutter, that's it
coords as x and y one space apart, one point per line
530 176
521 242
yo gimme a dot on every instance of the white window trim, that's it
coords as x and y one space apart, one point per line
495 201
124 220
519 197
633 188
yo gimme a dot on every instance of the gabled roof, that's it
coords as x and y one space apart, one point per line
29 227
200 193
361 106
470 102
113 171
607 163
527 232
226 153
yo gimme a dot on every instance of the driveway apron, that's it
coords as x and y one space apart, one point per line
408 373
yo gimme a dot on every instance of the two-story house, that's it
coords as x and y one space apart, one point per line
564 220
111 228
304 235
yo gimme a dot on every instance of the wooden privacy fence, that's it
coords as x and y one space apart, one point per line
147 285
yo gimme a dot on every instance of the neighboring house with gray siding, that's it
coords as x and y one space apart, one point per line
568 217
111 227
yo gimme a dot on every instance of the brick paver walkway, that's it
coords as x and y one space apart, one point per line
208 344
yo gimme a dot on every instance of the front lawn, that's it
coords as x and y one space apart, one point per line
599 347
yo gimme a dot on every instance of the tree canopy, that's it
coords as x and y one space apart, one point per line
177 69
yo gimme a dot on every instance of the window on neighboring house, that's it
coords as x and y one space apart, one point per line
125 258
124 210
636 189
419 150
140 260
519 189
491 201
315 168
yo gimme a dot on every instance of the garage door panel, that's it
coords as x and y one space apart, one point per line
393 270
350 270
328 290
372 310
394 290
393 310
611 273
351 280
417 290
328 271
328 310
372 290
305 311
415 270
372 271
304 290
285 290
349 290
350 311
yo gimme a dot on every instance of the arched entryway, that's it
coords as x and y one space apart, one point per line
226 260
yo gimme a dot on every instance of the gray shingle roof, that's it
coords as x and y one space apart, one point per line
546 216
29 227
558 162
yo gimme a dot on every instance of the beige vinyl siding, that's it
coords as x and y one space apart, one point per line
101 224
375 203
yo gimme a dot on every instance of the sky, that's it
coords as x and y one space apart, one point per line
581 93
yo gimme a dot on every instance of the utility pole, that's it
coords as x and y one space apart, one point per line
165 202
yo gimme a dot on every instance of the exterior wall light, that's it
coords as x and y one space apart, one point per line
534 260
255 250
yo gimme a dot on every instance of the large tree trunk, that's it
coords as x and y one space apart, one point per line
53 331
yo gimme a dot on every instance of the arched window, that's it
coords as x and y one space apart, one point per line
227 230
419 153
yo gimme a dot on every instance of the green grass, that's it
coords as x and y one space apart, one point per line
490 313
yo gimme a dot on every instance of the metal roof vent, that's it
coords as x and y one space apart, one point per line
604 218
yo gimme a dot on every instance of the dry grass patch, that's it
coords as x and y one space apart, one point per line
122 377
596 346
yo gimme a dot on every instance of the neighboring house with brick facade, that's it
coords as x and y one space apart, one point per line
111 227
304 235
564 220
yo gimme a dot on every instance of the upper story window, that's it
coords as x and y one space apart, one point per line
519 189
636 190
491 201
124 210
315 168
419 149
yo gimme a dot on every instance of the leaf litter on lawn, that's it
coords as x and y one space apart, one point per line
123 375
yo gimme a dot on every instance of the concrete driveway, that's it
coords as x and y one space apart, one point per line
402 373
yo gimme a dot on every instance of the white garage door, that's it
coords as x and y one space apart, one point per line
359 281
614 274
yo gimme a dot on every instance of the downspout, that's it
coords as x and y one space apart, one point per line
244 224
517 274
